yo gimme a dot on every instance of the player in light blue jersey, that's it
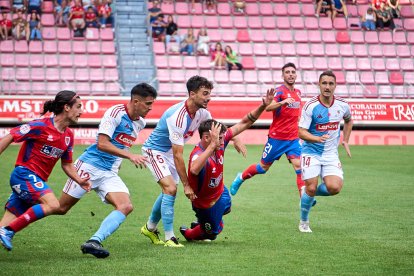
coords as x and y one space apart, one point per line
319 127
164 152
118 130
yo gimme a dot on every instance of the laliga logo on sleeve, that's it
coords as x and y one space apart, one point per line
24 129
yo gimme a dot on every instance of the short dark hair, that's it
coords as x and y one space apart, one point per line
206 126
327 73
64 97
289 64
196 82
143 90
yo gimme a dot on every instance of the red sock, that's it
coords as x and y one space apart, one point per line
299 182
197 233
250 172
31 215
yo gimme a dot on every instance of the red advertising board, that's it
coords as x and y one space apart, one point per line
17 109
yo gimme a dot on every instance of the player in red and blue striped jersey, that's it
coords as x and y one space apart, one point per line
45 141
283 132
205 174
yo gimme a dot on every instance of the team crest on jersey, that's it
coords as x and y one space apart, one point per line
67 140
39 185
50 137
24 129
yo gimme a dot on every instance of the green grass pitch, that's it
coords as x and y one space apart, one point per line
366 229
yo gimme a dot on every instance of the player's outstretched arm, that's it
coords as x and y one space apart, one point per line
275 105
178 151
347 133
304 134
70 171
253 115
105 145
5 142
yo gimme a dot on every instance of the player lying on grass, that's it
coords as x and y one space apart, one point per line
205 174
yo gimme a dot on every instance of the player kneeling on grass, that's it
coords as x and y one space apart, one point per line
117 132
319 127
205 174
45 141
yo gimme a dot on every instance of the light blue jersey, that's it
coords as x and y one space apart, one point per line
123 132
319 119
176 126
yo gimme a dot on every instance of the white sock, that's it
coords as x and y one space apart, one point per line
169 235
151 225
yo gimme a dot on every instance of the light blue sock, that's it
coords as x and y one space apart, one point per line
322 190
155 215
109 225
167 212
305 206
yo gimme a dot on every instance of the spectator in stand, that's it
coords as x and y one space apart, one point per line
232 59
218 57
158 28
62 12
394 7
20 27
5 26
239 6
77 19
154 12
91 20
376 4
35 26
172 32
18 5
187 44
339 7
203 42
35 5
368 21
384 18
105 13
325 7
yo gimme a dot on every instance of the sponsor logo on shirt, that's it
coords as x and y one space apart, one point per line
24 129
294 105
327 126
51 151
125 139
214 182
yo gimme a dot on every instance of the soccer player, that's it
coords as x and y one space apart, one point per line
164 151
283 132
205 174
117 132
319 127
45 141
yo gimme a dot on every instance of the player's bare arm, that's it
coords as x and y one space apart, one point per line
105 145
180 166
5 142
304 134
71 172
347 133
253 115
198 164
275 105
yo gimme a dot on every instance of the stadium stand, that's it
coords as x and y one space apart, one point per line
60 61
271 33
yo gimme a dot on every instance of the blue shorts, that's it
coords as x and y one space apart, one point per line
211 219
27 188
275 148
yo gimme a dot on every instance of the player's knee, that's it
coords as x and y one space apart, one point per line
52 208
170 190
61 211
311 190
125 208
335 189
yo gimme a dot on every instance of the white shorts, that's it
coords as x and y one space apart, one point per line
314 165
103 182
161 164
